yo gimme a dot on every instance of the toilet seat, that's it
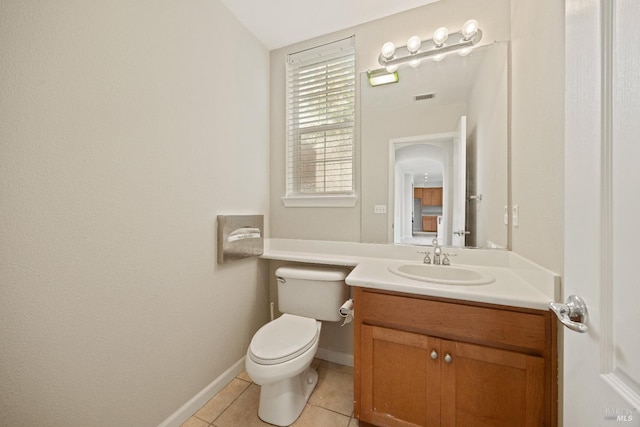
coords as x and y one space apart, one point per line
283 339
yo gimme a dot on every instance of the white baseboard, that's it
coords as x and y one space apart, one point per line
335 356
197 401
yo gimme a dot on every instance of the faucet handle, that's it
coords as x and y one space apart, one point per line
445 260
427 257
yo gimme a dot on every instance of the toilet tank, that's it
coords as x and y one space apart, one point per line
310 291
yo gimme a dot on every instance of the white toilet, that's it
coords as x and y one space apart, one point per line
281 352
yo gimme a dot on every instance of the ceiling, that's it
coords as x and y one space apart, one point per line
278 23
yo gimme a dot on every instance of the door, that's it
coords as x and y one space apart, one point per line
601 368
401 377
459 183
490 387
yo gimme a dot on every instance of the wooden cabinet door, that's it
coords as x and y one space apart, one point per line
399 378
484 386
417 193
436 198
429 223
426 196
432 196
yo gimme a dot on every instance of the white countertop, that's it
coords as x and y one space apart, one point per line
518 282
507 289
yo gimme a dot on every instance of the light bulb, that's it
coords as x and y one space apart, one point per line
438 58
391 68
466 51
440 36
469 29
414 63
388 49
413 44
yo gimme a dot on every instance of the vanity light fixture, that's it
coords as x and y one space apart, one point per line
382 77
436 48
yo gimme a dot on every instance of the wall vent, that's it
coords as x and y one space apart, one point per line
425 96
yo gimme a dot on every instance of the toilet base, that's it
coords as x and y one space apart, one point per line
282 402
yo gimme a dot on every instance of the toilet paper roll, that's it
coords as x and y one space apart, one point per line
346 311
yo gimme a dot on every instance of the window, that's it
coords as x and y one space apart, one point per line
321 125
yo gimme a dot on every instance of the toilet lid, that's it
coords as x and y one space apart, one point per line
283 339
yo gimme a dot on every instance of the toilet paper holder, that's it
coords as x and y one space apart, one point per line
346 311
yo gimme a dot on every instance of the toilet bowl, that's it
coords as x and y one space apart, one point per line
283 371
280 354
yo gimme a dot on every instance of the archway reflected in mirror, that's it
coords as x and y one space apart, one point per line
429 188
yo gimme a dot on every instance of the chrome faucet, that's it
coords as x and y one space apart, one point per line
437 251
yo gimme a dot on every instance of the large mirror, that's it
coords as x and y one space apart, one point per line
435 152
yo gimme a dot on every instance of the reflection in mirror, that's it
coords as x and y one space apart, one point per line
429 188
443 131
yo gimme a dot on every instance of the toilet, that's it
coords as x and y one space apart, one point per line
280 354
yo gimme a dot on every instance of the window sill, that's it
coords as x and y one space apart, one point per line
337 201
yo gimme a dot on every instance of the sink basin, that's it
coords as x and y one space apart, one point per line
442 274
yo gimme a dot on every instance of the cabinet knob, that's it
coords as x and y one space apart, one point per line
448 358
434 355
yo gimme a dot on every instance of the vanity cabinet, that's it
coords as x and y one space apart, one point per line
422 361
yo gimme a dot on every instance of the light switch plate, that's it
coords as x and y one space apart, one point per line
505 218
516 216
380 209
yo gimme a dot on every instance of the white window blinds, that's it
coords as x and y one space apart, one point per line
321 120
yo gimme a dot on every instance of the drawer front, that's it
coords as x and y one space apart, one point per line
488 326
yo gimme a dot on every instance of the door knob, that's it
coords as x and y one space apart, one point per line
448 358
434 355
573 314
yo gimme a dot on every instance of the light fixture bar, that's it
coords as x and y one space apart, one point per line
382 77
455 42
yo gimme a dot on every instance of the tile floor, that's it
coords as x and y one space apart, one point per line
330 404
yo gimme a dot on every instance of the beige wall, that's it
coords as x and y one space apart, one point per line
537 130
123 134
345 223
